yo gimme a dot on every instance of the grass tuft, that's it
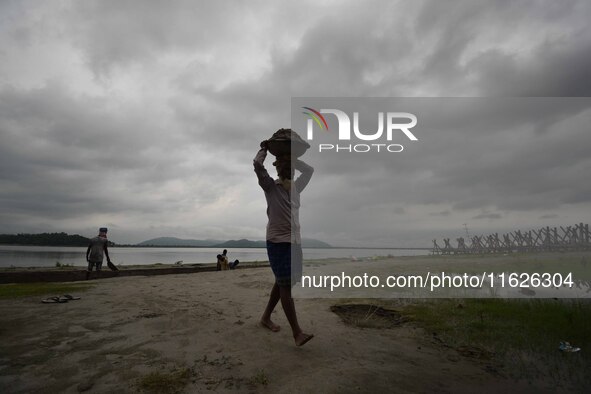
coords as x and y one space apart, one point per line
166 383
260 378
524 334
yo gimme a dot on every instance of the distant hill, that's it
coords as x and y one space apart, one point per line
211 243
172 241
44 239
241 243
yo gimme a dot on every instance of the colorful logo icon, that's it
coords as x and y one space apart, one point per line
317 117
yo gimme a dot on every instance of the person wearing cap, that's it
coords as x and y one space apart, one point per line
96 251
284 244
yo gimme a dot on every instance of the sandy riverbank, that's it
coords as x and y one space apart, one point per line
201 329
72 274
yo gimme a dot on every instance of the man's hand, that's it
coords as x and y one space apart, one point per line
265 145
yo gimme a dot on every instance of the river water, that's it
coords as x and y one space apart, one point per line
47 256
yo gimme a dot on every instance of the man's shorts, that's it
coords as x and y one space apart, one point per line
286 262
97 264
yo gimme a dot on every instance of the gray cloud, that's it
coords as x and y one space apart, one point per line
488 216
146 115
549 216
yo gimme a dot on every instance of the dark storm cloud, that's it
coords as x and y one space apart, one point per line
440 49
488 216
154 110
549 216
122 33
65 156
549 55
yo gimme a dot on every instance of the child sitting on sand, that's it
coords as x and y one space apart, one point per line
223 264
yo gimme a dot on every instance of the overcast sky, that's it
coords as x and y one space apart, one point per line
144 116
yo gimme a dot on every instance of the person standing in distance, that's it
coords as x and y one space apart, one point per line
96 251
283 235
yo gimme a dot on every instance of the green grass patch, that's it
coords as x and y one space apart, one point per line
165 382
15 290
524 334
63 266
577 263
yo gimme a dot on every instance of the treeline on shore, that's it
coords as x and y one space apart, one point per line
44 239
64 239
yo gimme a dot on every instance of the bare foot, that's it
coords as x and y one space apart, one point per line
270 325
301 339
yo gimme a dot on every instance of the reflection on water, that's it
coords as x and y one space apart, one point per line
46 256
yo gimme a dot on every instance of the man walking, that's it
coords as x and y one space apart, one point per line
95 252
283 235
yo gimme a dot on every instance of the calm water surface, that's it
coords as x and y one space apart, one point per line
47 256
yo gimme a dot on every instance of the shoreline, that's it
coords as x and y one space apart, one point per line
73 274
557 260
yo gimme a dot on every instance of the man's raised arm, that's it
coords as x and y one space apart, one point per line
303 179
265 181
